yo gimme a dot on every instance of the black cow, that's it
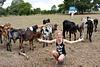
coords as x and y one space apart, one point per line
46 21
95 24
13 34
89 29
70 27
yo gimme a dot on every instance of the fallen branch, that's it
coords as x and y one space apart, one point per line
21 53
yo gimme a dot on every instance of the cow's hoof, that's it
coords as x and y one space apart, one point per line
30 48
7 50
10 50
19 53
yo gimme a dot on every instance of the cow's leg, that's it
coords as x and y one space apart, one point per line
50 37
90 34
32 45
43 42
87 35
21 47
95 27
63 34
80 34
46 39
74 36
1 39
9 47
69 36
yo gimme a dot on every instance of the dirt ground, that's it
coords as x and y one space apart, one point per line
83 54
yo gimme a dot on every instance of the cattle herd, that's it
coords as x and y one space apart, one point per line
47 30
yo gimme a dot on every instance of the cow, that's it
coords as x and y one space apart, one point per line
95 24
13 34
47 32
34 28
89 29
28 36
54 28
3 30
70 27
82 26
46 21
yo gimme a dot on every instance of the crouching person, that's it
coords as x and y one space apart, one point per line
60 54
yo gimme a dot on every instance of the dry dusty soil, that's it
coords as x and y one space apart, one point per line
83 54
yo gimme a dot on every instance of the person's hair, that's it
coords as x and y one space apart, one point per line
59 32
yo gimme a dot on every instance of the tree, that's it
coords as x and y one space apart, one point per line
61 7
53 7
37 11
14 6
2 2
2 11
82 5
24 8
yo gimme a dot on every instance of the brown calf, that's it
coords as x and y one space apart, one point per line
28 36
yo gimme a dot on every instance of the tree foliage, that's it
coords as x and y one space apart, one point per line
82 5
14 6
2 2
24 8
53 7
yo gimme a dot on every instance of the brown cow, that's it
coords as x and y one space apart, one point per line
3 30
28 36
54 28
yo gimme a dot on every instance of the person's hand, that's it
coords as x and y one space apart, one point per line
39 39
80 39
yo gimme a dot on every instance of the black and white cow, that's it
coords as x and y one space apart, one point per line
46 21
32 28
47 32
70 27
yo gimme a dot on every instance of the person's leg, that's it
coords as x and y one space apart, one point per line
61 58
55 54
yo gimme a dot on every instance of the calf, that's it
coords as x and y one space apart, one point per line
46 21
34 28
13 34
28 36
70 27
82 26
54 28
47 32
1 32
95 24
89 29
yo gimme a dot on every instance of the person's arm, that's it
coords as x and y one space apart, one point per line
47 41
72 42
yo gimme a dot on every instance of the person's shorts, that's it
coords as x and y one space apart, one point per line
63 54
